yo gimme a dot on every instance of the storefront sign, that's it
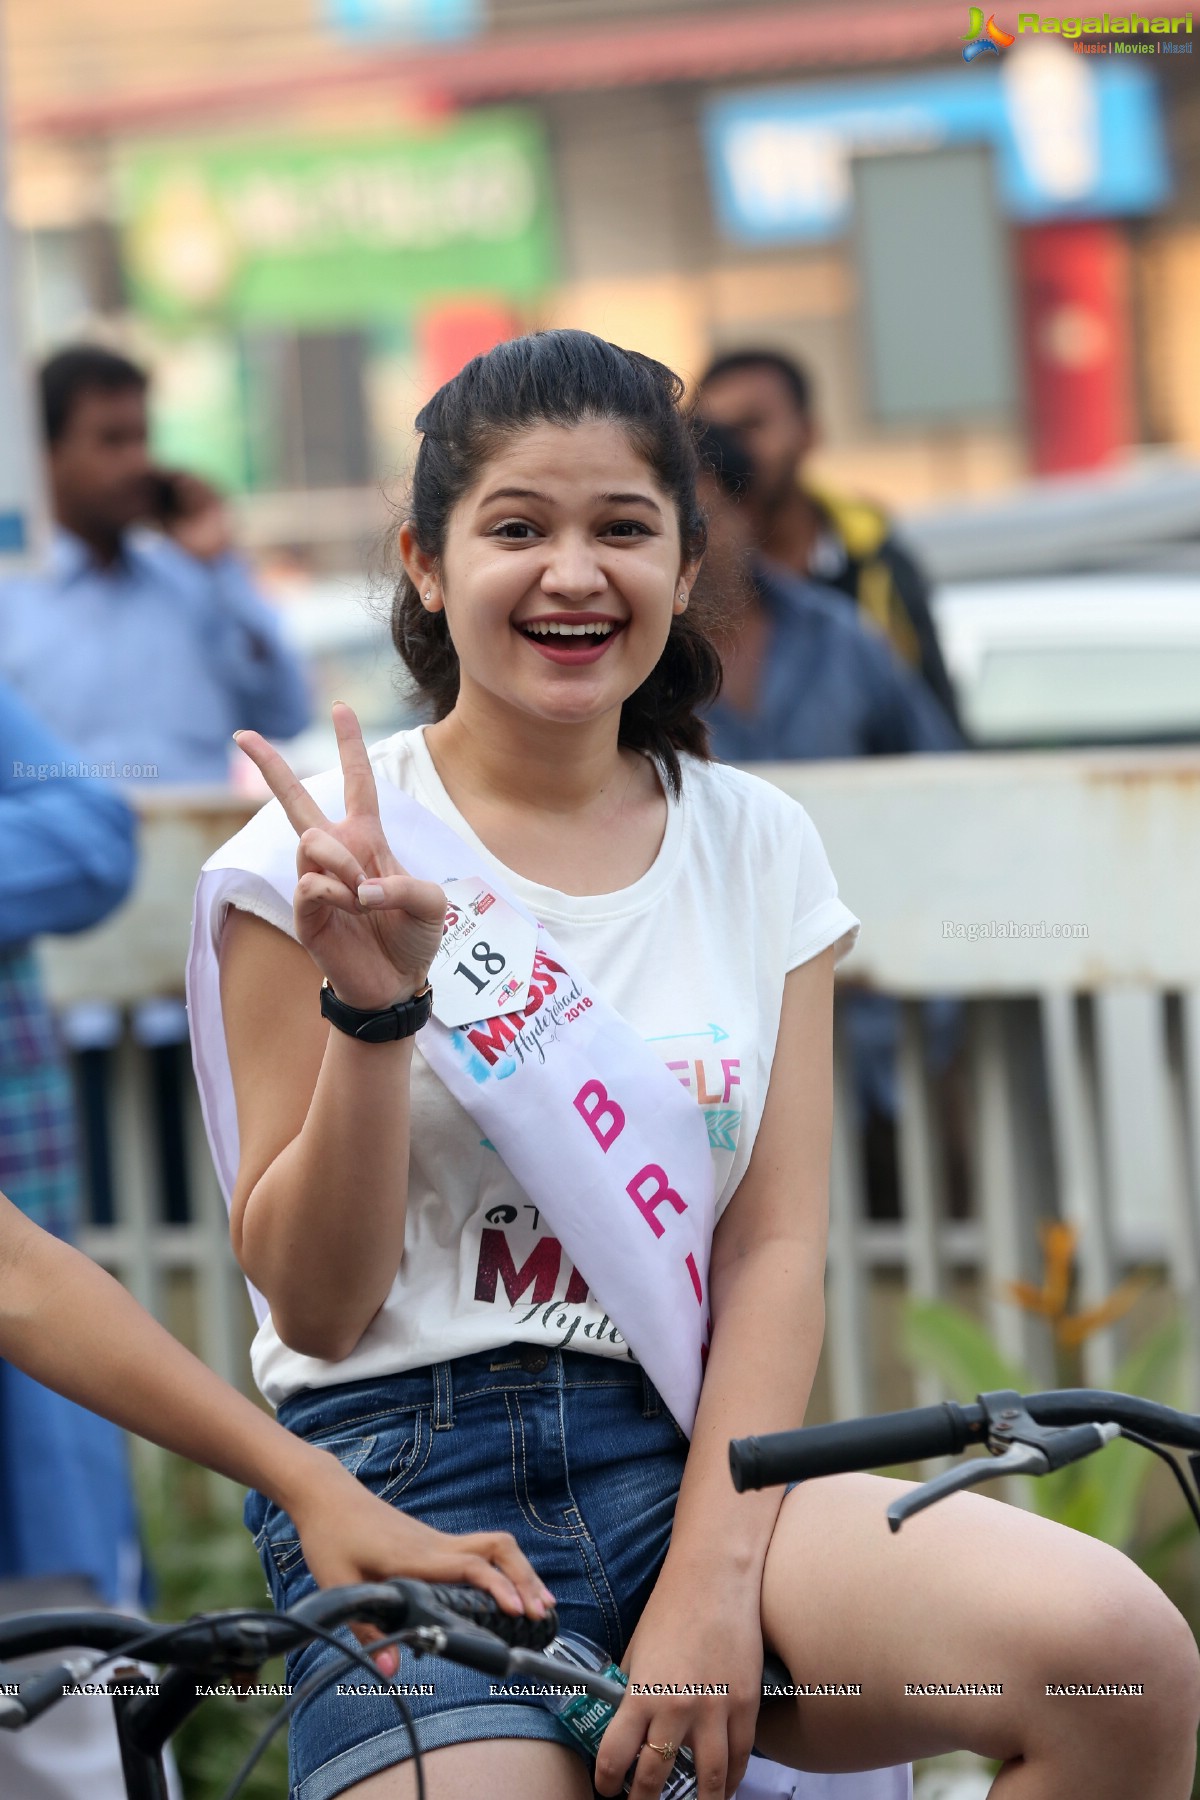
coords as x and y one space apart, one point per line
338 232
1073 139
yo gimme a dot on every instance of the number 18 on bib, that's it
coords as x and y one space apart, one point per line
485 962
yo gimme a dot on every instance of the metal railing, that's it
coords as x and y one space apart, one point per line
1053 894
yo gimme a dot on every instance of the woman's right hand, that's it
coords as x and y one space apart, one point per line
370 927
349 1535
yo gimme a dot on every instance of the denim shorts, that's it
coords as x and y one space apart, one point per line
575 1454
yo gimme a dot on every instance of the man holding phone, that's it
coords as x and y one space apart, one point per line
143 644
144 648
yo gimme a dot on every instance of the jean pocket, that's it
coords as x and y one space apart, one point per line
280 1553
386 1458
351 1448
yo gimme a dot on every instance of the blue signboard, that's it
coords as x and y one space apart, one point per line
1073 139
404 19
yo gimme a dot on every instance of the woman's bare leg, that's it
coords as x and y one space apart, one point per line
974 1591
501 1768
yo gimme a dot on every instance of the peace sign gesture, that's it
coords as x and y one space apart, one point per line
367 924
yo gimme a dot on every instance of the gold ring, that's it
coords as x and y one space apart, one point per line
667 1751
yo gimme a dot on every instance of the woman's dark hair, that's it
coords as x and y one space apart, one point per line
564 378
724 456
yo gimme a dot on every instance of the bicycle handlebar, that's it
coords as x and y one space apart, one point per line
241 1642
943 1430
758 1462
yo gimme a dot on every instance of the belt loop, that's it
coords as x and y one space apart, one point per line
443 1397
651 1405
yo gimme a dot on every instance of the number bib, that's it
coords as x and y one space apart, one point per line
485 962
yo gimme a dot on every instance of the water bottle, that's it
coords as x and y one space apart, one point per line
587 1717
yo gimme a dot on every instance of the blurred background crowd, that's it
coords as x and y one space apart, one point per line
937 317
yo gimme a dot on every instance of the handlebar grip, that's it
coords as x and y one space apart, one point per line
758 1462
478 1608
40 1692
12 1713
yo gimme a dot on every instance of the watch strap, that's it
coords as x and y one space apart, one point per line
383 1026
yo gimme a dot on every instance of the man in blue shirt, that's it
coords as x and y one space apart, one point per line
805 676
847 545
146 649
68 1533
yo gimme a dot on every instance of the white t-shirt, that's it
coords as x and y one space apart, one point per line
693 956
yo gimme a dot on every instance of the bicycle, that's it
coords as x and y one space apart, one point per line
462 1624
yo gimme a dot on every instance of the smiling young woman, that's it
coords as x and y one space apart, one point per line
425 1321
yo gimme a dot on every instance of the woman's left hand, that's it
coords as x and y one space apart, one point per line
688 1636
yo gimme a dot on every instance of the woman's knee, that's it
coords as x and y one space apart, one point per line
1119 1638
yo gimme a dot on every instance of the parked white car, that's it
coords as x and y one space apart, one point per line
1074 659
1069 607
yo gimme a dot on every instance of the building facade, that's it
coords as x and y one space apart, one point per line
696 177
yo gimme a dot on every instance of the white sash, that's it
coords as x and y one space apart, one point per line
585 1116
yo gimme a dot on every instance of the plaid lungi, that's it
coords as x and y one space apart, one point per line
39 1150
66 1503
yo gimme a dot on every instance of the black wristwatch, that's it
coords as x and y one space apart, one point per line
398 1021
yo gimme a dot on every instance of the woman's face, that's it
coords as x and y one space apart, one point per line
561 573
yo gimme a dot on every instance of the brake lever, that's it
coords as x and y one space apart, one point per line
1022 1459
1018 1446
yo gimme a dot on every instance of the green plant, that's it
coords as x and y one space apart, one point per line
1099 1495
1103 1494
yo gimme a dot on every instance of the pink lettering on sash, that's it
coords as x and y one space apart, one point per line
660 1193
601 1114
694 1272
729 1066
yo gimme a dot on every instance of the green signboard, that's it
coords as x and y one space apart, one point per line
336 232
